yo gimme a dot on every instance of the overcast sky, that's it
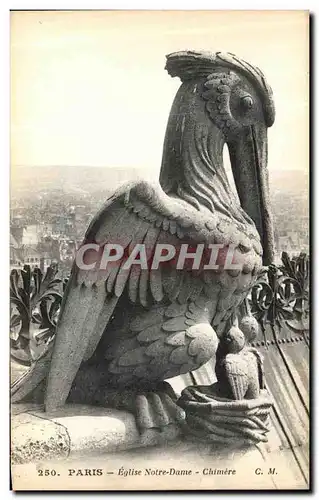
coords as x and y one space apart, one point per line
89 88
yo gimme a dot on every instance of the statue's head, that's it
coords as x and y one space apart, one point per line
222 99
234 340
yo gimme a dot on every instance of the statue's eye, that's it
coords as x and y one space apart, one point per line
246 102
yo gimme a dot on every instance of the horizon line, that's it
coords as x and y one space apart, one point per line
128 167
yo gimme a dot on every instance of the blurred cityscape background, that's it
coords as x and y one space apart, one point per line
51 208
89 88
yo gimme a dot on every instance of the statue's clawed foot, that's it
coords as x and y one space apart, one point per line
224 421
157 415
157 412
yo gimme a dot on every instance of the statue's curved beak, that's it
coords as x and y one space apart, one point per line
248 157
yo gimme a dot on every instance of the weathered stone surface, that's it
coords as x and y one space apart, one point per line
95 430
36 439
79 437
153 437
71 431
16 409
77 430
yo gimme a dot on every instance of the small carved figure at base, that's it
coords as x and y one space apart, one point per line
239 367
236 409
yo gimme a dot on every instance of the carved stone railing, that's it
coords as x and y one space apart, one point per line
280 302
35 301
280 298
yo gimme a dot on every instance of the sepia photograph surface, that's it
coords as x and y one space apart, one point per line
159 250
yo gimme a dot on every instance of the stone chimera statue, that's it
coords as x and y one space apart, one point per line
122 333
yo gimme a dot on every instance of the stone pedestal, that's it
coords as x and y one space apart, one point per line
76 430
71 445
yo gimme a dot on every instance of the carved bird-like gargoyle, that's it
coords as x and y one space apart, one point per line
239 368
234 411
125 331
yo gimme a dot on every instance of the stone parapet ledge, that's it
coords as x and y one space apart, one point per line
80 436
75 431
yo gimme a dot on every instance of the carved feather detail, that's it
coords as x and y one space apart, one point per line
174 324
179 356
146 319
177 339
237 376
158 339
175 309
150 334
133 284
156 285
133 358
